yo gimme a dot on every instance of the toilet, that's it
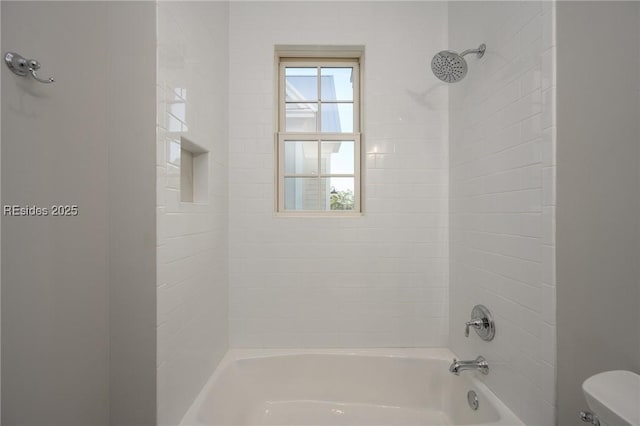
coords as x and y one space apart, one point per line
613 398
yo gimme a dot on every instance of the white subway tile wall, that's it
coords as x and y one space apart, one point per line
376 280
502 185
192 237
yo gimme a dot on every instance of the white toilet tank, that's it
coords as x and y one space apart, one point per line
614 397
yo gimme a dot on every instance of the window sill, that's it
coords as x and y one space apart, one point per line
317 215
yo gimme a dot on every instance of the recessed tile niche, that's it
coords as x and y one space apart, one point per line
194 172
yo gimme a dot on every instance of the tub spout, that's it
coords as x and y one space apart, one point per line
479 364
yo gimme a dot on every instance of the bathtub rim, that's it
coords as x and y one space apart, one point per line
507 416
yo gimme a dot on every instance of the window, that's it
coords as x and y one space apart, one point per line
319 135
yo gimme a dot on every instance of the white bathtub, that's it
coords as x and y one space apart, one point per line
343 387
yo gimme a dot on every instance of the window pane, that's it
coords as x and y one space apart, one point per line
301 84
337 118
301 157
301 193
341 194
338 157
301 117
337 84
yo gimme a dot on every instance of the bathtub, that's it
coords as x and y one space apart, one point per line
343 387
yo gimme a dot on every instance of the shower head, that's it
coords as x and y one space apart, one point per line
451 67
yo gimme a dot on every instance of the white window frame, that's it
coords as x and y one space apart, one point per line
318 136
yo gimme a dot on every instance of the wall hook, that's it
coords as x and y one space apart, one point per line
22 66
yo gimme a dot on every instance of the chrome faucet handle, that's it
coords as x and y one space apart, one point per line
475 323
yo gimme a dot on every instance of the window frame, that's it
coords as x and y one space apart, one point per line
315 61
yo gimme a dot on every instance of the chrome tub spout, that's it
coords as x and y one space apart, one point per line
479 364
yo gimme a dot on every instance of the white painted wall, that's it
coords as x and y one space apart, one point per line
0 231
131 203
376 280
598 195
78 293
502 161
192 238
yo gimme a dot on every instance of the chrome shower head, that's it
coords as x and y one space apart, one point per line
451 67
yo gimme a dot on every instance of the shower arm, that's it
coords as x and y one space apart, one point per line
479 51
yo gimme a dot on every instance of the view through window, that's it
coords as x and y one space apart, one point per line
318 138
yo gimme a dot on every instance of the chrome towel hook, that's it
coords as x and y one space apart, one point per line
22 66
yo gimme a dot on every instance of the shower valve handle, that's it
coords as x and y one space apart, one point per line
482 322
475 323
